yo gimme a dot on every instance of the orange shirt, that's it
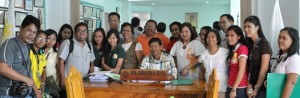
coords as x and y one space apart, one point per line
165 40
143 40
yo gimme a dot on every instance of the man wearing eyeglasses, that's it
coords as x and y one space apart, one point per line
226 20
150 29
15 62
81 57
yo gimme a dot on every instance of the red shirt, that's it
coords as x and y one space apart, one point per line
170 45
241 50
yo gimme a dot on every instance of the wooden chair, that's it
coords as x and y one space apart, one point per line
212 85
74 86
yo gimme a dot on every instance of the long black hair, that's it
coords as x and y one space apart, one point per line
104 40
50 32
255 20
59 38
242 39
294 48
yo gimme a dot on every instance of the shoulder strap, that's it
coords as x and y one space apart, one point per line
71 45
89 45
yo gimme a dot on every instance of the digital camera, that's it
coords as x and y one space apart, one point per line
19 89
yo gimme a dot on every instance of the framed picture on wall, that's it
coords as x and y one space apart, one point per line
87 11
28 5
2 17
19 18
90 24
94 12
38 3
81 10
192 18
19 3
4 3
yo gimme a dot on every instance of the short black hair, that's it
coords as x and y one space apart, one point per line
113 31
29 19
127 24
228 16
217 35
161 27
151 20
135 21
80 24
294 48
155 39
207 28
216 25
114 13
174 23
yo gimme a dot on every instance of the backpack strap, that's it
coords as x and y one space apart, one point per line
71 48
89 45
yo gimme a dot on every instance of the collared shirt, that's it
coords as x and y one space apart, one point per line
111 59
51 57
239 51
38 63
165 62
10 53
223 39
290 65
80 58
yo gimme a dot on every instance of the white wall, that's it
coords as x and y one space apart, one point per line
235 11
57 13
264 10
207 14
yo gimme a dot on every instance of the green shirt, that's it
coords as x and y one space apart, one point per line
111 59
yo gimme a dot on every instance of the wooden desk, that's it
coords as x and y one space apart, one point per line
117 90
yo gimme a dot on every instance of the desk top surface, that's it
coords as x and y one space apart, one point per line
197 87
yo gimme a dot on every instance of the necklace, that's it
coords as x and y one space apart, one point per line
184 45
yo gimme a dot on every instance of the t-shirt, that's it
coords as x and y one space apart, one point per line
126 46
111 59
10 53
143 40
98 55
185 56
290 65
240 51
217 61
170 45
165 40
254 61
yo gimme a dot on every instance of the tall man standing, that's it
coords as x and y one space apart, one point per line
81 57
226 20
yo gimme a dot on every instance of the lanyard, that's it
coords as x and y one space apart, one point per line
250 57
24 62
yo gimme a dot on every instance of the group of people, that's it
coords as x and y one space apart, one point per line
241 58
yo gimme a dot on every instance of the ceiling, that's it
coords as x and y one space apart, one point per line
176 2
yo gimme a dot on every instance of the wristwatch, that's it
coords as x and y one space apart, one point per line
250 91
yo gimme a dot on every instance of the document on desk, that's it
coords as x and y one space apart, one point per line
100 73
113 76
182 82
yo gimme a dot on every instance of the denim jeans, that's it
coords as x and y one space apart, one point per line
240 92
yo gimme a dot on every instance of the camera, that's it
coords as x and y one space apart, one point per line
19 89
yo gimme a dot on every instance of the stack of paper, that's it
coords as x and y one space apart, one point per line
99 76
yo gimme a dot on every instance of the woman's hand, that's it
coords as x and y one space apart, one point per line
249 87
184 72
254 93
232 94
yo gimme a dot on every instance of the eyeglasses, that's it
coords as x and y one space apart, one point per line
81 31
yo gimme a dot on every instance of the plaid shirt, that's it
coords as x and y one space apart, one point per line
166 62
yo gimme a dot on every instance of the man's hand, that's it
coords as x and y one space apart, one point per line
62 84
29 82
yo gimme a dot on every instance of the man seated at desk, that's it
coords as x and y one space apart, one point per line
157 60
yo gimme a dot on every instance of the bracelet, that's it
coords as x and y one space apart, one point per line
233 90
42 83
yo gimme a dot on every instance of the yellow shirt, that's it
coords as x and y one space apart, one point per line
38 63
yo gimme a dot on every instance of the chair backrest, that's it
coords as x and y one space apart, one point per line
212 85
74 85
